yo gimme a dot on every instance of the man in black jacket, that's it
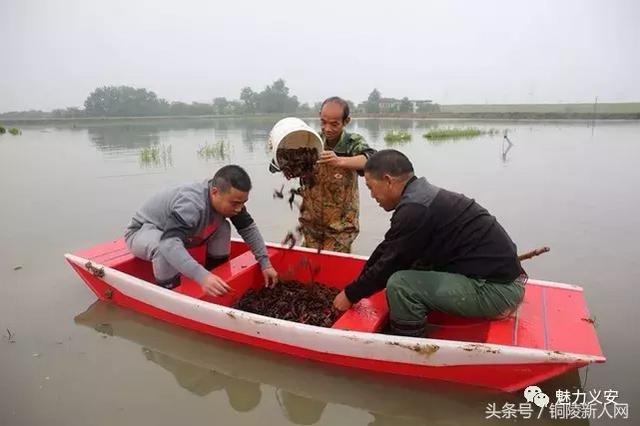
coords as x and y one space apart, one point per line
443 252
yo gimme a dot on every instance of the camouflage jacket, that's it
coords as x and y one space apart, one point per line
331 205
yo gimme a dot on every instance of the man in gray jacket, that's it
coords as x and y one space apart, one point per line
191 215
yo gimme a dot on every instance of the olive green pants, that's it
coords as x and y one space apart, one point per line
412 294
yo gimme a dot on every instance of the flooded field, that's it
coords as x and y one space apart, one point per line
66 359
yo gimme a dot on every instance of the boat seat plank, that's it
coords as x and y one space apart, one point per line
451 327
531 328
503 331
571 329
111 253
368 315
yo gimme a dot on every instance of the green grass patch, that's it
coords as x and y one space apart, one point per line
2 130
397 136
457 132
156 155
217 151
15 131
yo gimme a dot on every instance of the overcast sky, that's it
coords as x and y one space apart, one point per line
54 53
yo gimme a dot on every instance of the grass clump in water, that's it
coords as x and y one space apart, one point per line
457 132
15 131
397 136
156 155
2 130
217 151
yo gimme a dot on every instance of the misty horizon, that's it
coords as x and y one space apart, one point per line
454 53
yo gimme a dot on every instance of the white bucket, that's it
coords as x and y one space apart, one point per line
291 132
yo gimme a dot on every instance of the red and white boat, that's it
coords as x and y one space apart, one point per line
549 334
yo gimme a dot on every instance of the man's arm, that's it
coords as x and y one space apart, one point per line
359 153
401 247
249 232
356 156
180 225
353 163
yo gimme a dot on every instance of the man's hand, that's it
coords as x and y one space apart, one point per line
270 277
330 158
215 285
341 302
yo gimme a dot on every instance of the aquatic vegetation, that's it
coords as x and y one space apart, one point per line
2 130
217 151
457 132
397 136
447 133
156 155
15 131
149 154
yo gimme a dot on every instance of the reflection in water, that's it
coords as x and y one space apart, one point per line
372 127
134 134
376 127
109 137
203 364
255 132
104 328
384 420
243 395
114 135
298 409
506 146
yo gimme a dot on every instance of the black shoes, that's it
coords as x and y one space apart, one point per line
169 284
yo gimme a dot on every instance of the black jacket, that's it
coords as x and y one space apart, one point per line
439 230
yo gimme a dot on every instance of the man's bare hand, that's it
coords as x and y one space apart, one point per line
341 302
270 277
215 286
330 158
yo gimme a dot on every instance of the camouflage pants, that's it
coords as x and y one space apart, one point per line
329 241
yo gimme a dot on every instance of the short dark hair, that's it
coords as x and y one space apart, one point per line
231 176
338 100
389 162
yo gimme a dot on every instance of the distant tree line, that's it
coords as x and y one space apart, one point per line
125 101
376 104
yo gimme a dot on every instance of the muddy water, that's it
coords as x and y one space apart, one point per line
67 360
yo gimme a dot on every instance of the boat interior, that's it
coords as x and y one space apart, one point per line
553 317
